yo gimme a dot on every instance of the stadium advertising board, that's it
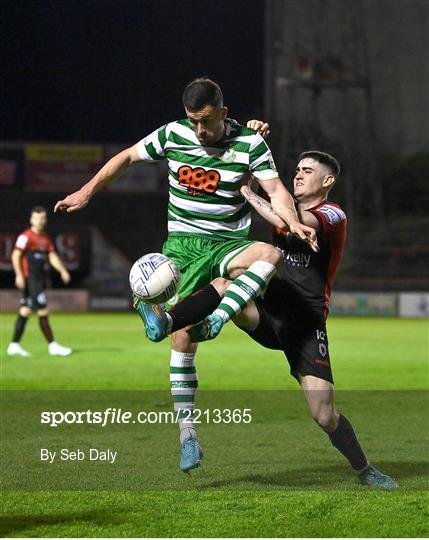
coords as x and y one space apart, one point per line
364 304
415 305
60 167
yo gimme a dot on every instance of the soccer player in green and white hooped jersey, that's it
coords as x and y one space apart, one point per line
208 156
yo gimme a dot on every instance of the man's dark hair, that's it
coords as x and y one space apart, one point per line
38 210
201 92
325 159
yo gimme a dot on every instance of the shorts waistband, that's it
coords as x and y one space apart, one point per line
205 236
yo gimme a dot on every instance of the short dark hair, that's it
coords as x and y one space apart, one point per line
325 159
38 210
201 92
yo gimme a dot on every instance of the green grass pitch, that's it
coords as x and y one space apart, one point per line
277 477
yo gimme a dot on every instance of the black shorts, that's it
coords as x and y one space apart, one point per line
34 295
302 338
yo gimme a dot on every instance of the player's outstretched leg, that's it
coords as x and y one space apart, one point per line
159 323
320 398
344 439
184 384
155 319
370 476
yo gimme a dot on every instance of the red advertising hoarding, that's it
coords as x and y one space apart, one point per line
60 167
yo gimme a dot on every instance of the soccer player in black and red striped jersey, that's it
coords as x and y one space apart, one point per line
33 250
291 314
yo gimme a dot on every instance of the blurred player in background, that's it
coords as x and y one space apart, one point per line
33 249
291 315
208 156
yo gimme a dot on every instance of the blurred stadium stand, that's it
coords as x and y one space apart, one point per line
350 78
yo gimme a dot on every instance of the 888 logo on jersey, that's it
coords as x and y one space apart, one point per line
198 181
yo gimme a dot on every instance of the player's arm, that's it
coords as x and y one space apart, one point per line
265 209
17 268
109 172
283 204
309 219
58 265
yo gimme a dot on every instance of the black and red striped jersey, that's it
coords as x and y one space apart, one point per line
307 276
35 249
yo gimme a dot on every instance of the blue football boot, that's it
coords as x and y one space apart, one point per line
207 329
192 454
155 319
371 477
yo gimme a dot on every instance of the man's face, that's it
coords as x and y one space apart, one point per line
38 220
208 123
311 179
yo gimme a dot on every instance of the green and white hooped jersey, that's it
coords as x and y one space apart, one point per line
205 181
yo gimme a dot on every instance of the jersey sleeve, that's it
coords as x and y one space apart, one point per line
261 162
21 242
331 217
151 148
333 225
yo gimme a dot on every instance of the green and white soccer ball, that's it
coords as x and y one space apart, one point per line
154 278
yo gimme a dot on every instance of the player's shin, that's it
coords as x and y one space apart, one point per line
194 308
184 383
245 288
344 439
20 323
45 327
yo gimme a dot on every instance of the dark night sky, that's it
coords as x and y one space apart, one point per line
112 70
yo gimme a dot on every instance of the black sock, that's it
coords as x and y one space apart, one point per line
19 328
194 308
344 439
46 329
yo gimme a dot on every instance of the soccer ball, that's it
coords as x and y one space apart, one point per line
154 278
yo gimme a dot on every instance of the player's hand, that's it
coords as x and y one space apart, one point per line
305 233
65 277
20 282
263 128
75 201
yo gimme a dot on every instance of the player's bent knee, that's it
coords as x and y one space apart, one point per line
326 417
25 311
44 312
181 342
323 421
220 284
277 256
248 319
271 254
